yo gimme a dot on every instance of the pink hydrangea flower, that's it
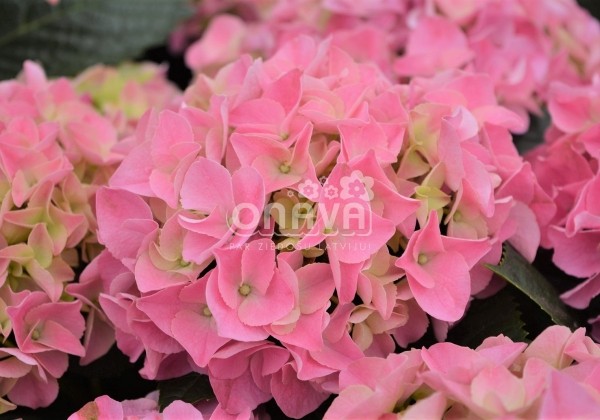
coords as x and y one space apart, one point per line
259 211
437 269
56 148
550 377
567 166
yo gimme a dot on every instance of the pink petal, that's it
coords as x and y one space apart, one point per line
258 264
315 282
278 301
56 336
296 398
206 186
448 298
179 410
198 335
31 391
124 221
566 398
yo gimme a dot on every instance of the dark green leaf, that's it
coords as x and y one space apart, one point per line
534 136
489 317
190 388
78 33
520 273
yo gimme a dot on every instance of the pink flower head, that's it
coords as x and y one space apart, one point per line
34 261
436 44
31 156
247 291
162 264
279 166
372 387
240 374
220 44
30 379
155 167
121 212
98 277
182 312
437 268
228 204
41 325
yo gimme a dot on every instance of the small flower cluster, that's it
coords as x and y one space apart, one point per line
522 45
555 377
567 165
300 213
56 149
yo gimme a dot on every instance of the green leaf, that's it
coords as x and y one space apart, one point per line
191 388
520 273
489 317
75 34
538 124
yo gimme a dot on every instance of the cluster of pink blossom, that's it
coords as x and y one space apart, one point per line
555 377
523 45
300 213
498 379
368 30
567 165
56 149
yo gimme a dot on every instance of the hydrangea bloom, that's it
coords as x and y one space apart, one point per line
259 211
567 166
522 45
368 30
56 149
550 378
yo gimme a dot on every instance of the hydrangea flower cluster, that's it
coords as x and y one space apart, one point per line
498 379
568 170
56 148
257 236
522 45
368 30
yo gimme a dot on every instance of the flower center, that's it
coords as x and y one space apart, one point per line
284 168
244 289
206 312
183 263
422 259
35 335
